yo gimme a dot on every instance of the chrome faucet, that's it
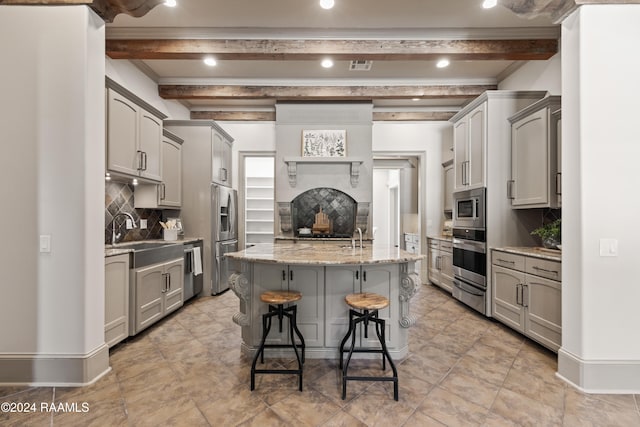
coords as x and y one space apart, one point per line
360 233
115 236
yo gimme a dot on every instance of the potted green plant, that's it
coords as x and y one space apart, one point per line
550 234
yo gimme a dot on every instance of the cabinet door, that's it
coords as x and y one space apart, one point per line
150 286
446 270
337 311
476 147
226 161
219 169
460 142
171 187
383 280
448 188
150 141
173 296
309 281
434 264
530 160
116 299
543 301
508 296
122 135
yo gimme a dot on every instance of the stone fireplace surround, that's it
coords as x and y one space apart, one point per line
345 213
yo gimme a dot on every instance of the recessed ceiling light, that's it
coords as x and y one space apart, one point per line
488 4
442 63
327 4
210 61
327 63
170 3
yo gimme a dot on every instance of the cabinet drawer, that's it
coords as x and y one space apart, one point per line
508 260
544 268
433 244
446 246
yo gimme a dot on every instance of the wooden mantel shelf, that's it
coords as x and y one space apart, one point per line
292 166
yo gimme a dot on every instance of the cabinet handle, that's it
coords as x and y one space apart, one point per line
162 191
291 275
357 275
467 167
144 156
505 261
523 294
546 271
559 183
169 277
223 174
284 275
464 173
518 289
139 160
364 275
510 184
165 283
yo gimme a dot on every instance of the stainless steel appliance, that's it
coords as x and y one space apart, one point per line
192 278
224 234
469 208
470 249
470 267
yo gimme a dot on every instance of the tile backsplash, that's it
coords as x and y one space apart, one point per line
119 197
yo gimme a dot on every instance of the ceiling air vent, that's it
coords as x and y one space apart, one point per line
360 65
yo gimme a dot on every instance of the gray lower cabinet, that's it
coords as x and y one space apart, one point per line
527 296
441 263
116 299
309 281
380 279
156 291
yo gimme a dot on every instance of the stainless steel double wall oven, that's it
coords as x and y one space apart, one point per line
470 248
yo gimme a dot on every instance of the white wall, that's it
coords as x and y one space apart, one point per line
419 137
536 75
600 349
52 118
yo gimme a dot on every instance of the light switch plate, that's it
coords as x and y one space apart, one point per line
608 247
143 224
129 224
45 243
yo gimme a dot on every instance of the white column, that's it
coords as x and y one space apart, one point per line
52 168
600 162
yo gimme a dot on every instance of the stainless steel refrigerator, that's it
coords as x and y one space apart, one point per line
224 234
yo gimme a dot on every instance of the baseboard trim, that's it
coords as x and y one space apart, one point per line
599 376
52 370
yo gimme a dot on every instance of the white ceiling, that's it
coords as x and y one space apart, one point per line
349 19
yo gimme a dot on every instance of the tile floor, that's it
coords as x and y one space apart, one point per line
463 370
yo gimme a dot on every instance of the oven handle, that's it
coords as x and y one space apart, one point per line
468 288
470 245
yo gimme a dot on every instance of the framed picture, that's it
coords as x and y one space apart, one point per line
324 143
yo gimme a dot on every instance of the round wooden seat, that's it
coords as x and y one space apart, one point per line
366 301
280 297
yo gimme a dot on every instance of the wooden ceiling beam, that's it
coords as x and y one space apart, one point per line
405 116
385 50
321 93
253 116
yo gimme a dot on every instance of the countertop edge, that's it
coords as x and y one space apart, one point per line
531 251
121 248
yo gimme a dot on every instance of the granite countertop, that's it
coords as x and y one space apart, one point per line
126 247
550 254
307 253
320 239
441 237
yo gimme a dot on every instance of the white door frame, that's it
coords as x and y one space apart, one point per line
242 178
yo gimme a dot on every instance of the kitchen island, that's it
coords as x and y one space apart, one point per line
324 274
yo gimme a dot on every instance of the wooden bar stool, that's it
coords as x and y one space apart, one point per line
276 301
369 303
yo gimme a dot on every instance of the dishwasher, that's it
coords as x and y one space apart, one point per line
192 283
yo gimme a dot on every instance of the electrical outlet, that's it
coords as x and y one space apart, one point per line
143 224
129 224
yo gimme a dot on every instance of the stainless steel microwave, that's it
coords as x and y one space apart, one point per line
469 208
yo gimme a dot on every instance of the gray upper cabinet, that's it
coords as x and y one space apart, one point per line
168 193
448 178
534 156
469 144
221 161
134 135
